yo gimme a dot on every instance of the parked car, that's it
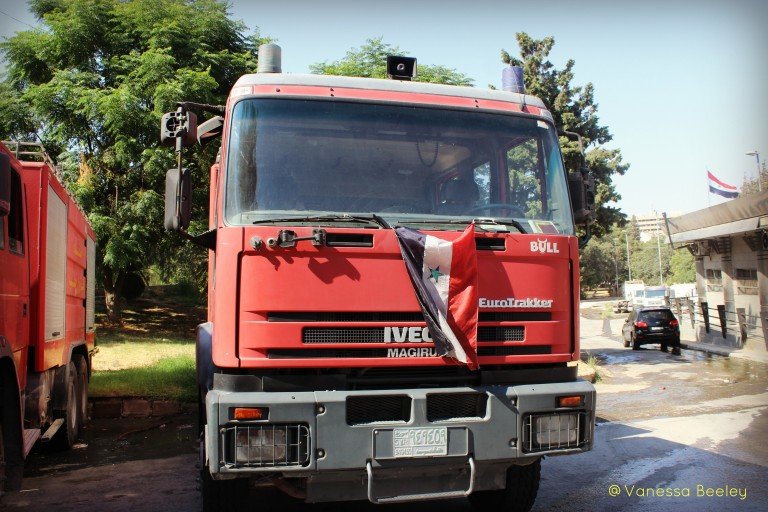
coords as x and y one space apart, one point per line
652 325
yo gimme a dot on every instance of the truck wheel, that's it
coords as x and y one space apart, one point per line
67 434
81 388
518 496
220 495
2 457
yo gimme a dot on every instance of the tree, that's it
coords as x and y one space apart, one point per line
573 109
93 83
645 262
749 186
682 267
601 263
370 61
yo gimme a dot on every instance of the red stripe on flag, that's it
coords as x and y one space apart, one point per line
724 185
462 294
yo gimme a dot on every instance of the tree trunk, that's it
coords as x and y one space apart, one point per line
112 301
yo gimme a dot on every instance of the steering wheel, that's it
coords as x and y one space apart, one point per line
514 210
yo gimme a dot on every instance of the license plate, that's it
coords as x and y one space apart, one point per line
657 328
420 442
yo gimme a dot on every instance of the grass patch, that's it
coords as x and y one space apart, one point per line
594 364
170 378
152 353
120 350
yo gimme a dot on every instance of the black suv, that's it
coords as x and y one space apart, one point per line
652 325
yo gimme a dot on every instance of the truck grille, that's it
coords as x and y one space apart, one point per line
323 335
400 316
346 316
270 445
451 406
362 410
376 334
485 333
423 351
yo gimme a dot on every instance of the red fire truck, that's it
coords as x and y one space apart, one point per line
47 289
318 372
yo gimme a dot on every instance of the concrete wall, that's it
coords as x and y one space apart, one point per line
729 255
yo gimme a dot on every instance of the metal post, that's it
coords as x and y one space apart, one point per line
759 181
629 267
658 246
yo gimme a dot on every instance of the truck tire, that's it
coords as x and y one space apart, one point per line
220 495
11 459
81 389
2 457
67 434
518 496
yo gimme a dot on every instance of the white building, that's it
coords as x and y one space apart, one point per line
651 225
730 244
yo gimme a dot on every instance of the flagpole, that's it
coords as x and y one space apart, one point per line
709 193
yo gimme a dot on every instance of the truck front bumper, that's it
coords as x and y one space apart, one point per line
398 433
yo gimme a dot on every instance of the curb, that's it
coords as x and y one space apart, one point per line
707 349
132 407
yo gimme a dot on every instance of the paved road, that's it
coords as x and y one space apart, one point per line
690 428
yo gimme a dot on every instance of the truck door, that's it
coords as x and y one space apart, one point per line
14 270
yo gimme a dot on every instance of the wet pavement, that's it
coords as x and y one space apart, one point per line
683 432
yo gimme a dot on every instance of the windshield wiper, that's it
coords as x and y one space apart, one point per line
512 222
369 219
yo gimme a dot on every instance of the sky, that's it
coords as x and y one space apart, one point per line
681 84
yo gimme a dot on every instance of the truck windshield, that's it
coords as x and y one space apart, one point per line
403 163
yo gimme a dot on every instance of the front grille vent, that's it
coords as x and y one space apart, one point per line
363 335
426 351
485 333
452 406
520 350
345 316
362 410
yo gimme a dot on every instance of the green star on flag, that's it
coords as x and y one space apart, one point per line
434 273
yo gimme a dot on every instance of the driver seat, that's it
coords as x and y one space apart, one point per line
458 196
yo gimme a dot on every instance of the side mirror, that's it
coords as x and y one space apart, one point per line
178 199
582 188
178 128
5 184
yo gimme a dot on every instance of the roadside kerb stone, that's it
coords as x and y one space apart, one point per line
137 408
131 407
106 408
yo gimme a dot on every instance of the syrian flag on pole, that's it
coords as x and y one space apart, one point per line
444 277
720 188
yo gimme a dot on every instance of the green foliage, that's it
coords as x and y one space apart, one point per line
172 378
602 263
573 109
94 82
370 61
682 267
645 261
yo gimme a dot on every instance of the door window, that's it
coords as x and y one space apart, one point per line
16 216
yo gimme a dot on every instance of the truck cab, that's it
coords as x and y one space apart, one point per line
317 372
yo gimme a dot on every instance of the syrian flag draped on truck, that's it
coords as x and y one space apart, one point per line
444 277
721 188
